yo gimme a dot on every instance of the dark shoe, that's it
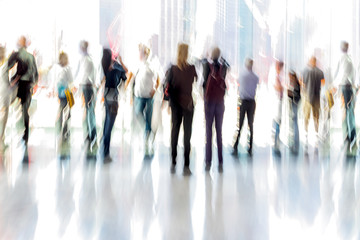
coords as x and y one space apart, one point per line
207 167
250 153
234 152
220 168
107 159
186 171
173 169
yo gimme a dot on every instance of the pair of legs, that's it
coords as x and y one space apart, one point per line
246 107
214 111
315 109
89 122
111 109
294 126
179 115
62 126
25 95
349 121
143 111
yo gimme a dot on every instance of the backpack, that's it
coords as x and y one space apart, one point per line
215 86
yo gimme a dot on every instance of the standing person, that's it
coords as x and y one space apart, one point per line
26 77
64 79
312 78
345 84
114 74
277 81
180 79
85 77
215 87
146 83
294 99
248 82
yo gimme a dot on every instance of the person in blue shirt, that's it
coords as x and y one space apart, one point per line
114 73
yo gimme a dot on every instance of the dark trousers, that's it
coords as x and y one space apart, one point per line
111 109
178 114
214 110
246 107
89 124
349 122
25 95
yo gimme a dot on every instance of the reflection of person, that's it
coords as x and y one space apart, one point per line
181 77
312 78
345 82
294 98
146 83
113 77
26 77
215 87
277 81
64 79
248 82
85 77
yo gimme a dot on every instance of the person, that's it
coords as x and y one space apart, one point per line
214 74
277 81
85 78
146 83
64 79
26 77
114 74
180 78
248 82
294 99
345 84
311 78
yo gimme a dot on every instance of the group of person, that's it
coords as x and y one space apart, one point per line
177 89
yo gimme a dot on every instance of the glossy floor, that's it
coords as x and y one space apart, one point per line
312 196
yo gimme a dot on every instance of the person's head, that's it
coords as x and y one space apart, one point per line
144 52
21 43
84 46
63 59
312 61
279 65
344 46
292 76
182 55
2 53
106 60
249 64
215 54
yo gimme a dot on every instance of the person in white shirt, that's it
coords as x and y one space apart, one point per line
85 79
146 83
345 84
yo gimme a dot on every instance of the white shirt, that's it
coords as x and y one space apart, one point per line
344 73
86 72
145 80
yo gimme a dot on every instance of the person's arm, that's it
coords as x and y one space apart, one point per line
122 64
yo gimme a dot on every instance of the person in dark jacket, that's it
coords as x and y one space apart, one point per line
214 72
180 80
114 74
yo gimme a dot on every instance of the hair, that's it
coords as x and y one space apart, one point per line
249 63
182 55
84 45
292 73
144 50
344 46
215 54
2 49
63 55
106 59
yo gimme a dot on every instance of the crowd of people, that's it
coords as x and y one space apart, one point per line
177 87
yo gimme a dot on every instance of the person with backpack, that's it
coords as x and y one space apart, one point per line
214 73
294 99
248 82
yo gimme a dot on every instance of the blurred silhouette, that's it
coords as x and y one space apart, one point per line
294 99
214 73
180 80
248 82
114 74
312 77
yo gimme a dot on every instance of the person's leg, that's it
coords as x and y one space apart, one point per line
140 104
209 119
148 117
242 111
111 113
250 116
316 115
307 109
25 102
188 117
89 97
4 112
294 107
219 116
176 119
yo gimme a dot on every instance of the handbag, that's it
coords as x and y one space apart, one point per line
69 97
329 98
